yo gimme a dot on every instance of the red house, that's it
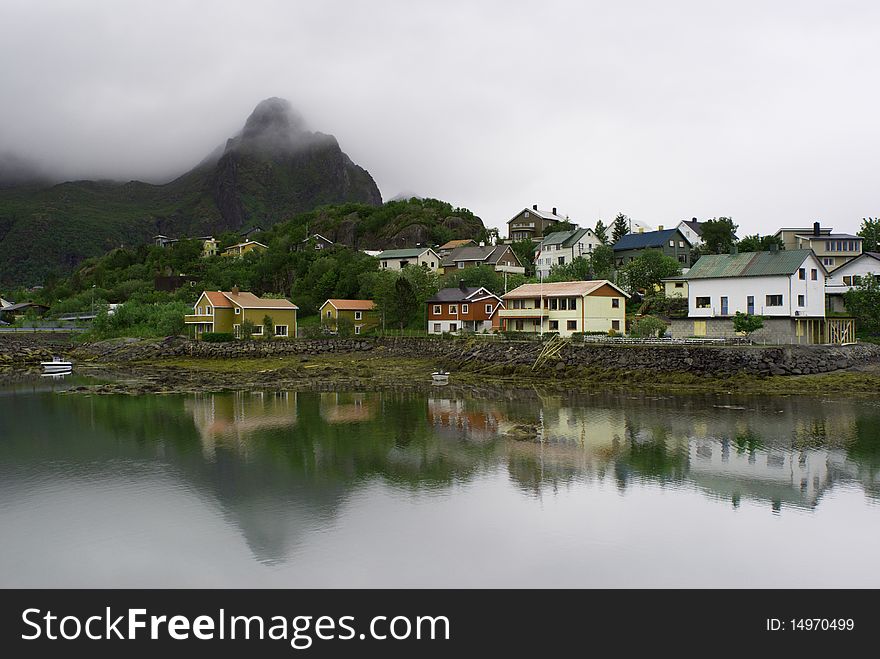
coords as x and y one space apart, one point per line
464 308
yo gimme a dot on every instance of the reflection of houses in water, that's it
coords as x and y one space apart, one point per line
347 407
458 419
778 475
230 419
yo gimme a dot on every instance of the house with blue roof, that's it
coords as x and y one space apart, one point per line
671 242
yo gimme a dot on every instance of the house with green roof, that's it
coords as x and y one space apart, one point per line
785 287
398 259
563 247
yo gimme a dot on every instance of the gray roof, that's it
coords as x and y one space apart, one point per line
564 238
454 294
489 254
749 264
823 236
402 253
695 225
547 215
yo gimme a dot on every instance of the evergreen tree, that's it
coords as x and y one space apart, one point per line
601 232
620 227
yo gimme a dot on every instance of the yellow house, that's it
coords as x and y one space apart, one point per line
566 307
245 248
210 247
675 287
222 311
361 313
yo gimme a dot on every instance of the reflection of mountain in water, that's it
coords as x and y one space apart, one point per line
281 465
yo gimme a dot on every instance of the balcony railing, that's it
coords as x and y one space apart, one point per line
198 318
522 313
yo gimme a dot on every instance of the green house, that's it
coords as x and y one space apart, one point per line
361 314
222 311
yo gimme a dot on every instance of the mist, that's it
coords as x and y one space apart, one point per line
765 112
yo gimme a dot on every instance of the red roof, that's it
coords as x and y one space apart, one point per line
218 299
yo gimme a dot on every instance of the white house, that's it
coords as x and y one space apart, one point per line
562 247
848 276
786 287
398 259
692 230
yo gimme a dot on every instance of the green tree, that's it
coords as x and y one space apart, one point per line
344 328
246 329
403 304
577 270
744 323
870 231
481 275
601 232
759 243
863 302
647 326
620 227
602 261
645 272
719 235
525 252
268 327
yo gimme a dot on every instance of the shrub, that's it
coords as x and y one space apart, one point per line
218 337
647 326
246 329
746 323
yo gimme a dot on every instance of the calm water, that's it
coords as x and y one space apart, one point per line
391 489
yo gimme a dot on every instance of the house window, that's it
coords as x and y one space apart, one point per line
615 303
432 264
518 325
774 300
258 330
460 265
384 264
209 310
571 325
329 313
199 311
281 330
488 309
679 284
827 261
615 325
847 281
437 329
464 308
453 308
236 329
358 315
572 303
357 329
704 302
802 274
554 304
554 325
436 310
237 310
560 260
802 300
814 274
681 244
453 327
672 243
723 306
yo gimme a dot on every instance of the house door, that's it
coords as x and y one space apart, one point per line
723 306
750 305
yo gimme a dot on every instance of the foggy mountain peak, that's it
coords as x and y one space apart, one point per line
275 128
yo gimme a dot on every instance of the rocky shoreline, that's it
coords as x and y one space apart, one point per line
176 364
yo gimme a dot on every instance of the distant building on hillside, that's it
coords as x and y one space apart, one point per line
398 259
834 249
669 241
316 242
247 247
692 230
563 247
360 313
501 257
532 223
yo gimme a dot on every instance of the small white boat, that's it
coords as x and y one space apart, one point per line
440 377
57 365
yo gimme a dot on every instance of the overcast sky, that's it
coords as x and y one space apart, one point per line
765 111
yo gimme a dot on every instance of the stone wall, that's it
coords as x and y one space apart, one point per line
495 355
28 348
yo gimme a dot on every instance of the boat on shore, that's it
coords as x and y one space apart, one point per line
57 365
440 377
